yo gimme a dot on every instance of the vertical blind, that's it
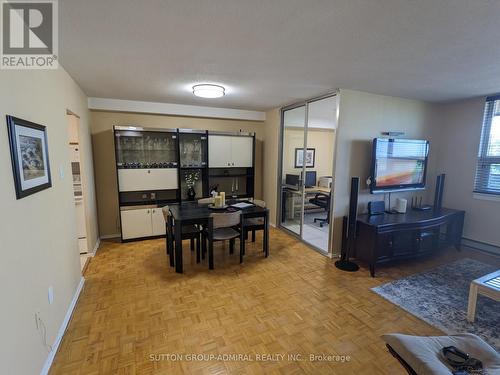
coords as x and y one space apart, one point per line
487 179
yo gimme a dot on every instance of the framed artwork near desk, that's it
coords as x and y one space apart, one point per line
299 157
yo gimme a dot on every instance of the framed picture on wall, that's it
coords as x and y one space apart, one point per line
30 156
299 157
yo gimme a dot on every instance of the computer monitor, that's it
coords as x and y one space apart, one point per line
292 180
310 179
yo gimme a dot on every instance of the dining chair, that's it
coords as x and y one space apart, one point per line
226 226
256 223
205 202
189 232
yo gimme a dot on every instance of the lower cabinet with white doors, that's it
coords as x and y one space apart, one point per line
141 221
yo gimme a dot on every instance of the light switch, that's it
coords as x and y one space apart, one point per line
61 171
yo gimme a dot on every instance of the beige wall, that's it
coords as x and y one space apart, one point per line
102 123
461 124
322 140
270 158
38 242
362 117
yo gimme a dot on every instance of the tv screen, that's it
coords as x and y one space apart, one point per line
398 164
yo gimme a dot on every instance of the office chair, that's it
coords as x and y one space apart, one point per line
322 200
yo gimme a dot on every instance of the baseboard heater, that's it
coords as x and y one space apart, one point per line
483 246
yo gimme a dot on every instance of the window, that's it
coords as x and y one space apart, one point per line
488 164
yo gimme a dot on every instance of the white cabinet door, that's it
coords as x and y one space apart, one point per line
219 151
148 179
158 222
136 223
241 152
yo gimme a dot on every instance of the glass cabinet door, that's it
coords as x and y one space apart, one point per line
193 150
146 149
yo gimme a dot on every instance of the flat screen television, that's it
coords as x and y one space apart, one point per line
398 164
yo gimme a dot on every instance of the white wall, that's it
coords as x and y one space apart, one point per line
362 117
38 245
461 124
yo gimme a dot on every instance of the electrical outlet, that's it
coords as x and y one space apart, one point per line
51 294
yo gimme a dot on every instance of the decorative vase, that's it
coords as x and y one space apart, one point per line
191 194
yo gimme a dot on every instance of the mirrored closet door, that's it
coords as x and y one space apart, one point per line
292 189
306 176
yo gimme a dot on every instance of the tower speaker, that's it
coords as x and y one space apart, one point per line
438 194
350 230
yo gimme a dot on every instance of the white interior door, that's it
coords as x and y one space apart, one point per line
242 152
136 223
219 151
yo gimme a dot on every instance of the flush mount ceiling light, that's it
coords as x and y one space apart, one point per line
208 91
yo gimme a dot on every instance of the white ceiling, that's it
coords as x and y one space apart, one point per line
274 52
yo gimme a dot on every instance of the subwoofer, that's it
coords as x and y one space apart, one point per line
350 230
438 194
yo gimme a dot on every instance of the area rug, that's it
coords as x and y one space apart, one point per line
440 297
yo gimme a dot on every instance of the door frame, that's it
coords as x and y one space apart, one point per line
279 182
83 177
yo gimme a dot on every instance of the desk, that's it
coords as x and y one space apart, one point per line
191 213
317 189
292 199
388 237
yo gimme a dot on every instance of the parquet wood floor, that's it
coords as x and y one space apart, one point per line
135 308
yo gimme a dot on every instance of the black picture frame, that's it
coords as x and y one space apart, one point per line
32 173
309 164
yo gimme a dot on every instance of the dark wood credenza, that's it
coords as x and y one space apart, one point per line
389 237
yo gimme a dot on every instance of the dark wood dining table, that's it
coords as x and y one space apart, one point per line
187 213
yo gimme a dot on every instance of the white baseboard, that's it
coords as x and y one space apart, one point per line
62 328
486 247
108 236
